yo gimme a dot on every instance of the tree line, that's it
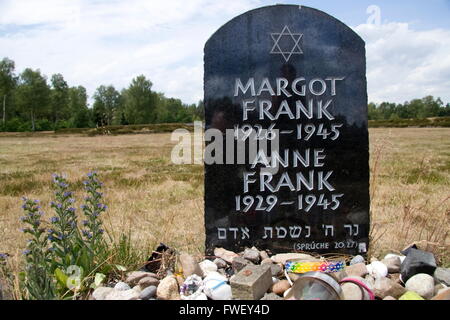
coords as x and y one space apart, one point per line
29 101
426 107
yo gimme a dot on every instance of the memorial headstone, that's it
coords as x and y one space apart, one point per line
292 78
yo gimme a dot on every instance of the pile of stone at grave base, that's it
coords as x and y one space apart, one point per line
254 275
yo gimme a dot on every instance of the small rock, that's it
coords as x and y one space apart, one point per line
358 270
280 287
134 277
283 257
168 289
147 282
351 291
443 294
122 295
410 295
417 261
263 255
239 263
251 255
389 298
386 287
137 288
442 275
276 269
373 259
438 287
377 269
224 254
392 264
422 284
357 259
271 296
251 283
393 255
220 263
121 286
267 261
101 292
207 266
190 265
396 277
148 293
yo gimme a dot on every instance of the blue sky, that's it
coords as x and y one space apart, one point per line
94 42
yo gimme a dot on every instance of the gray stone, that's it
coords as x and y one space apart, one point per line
168 289
239 263
251 255
251 283
351 291
122 286
393 264
386 287
137 288
267 261
224 254
442 275
220 263
134 277
276 270
122 295
358 270
357 259
422 284
147 282
190 265
263 255
101 292
271 296
148 293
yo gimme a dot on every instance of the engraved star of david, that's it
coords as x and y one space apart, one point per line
289 51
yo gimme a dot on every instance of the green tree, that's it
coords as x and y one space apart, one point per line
8 82
33 94
140 102
59 105
107 101
81 115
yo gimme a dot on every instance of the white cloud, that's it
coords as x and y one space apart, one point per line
110 42
403 63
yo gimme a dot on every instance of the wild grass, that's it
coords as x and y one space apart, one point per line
153 200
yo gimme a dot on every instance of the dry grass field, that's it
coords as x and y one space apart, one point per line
157 201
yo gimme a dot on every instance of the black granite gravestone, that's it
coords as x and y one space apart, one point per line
299 74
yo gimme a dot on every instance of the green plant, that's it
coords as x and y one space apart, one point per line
38 279
62 261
